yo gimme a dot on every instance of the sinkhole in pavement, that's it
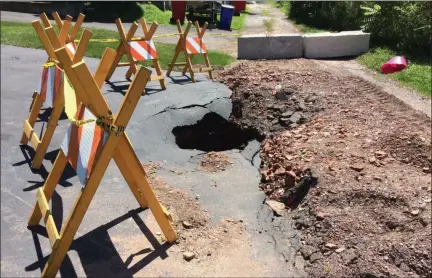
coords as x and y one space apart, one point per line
214 133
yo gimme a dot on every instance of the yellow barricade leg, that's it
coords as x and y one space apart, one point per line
182 46
117 146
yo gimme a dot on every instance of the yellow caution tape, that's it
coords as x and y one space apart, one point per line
140 38
71 109
49 63
100 40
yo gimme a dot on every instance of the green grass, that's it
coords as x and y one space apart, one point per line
269 23
284 6
23 34
304 28
274 4
153 13
265 13
417 75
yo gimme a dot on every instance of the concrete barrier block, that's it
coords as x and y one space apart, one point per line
329 45
255 47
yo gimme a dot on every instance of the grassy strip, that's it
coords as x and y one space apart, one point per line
306 28
266 13
153 13
269 24
274 4
23 34
417 75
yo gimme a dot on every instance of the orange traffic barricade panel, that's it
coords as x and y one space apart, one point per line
136 50
95 137
191 46
50 92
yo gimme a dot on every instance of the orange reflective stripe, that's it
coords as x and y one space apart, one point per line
44 84
143 50
191 49
96 148
150 50
195 46
75 139
201 44
57 83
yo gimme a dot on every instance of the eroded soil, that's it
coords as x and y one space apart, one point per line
214 162
370 213
203 248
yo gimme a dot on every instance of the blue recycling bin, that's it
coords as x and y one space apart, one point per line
226 16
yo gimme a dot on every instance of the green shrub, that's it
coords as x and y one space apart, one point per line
106 11
402 26
335 16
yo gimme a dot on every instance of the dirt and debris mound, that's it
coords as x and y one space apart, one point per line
198 238
370 215
267 99
280 167
215 162
177 202
408 148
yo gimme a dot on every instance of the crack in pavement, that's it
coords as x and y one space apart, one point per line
253 157
173 107
280 230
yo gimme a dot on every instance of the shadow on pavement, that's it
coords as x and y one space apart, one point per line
44 116
29 154
182 79
97 253
123 88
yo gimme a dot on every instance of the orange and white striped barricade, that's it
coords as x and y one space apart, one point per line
136 50
94 138
63 36
51 89
190 47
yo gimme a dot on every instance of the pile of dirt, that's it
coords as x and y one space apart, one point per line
408 148
198 238
370 214
215 162
280 168
267 99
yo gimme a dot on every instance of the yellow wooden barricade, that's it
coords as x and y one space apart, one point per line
95 136
189 47
51 90
136 50
64 30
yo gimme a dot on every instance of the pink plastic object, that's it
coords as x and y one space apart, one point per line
395 64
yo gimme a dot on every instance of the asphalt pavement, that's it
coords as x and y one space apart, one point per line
110 214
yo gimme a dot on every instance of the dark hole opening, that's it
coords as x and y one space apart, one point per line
214 133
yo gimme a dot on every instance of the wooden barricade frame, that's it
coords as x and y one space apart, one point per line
50 40
182 47
117 146
64 35
125 48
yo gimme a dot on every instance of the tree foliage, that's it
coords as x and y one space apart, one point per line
107 11
403 26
